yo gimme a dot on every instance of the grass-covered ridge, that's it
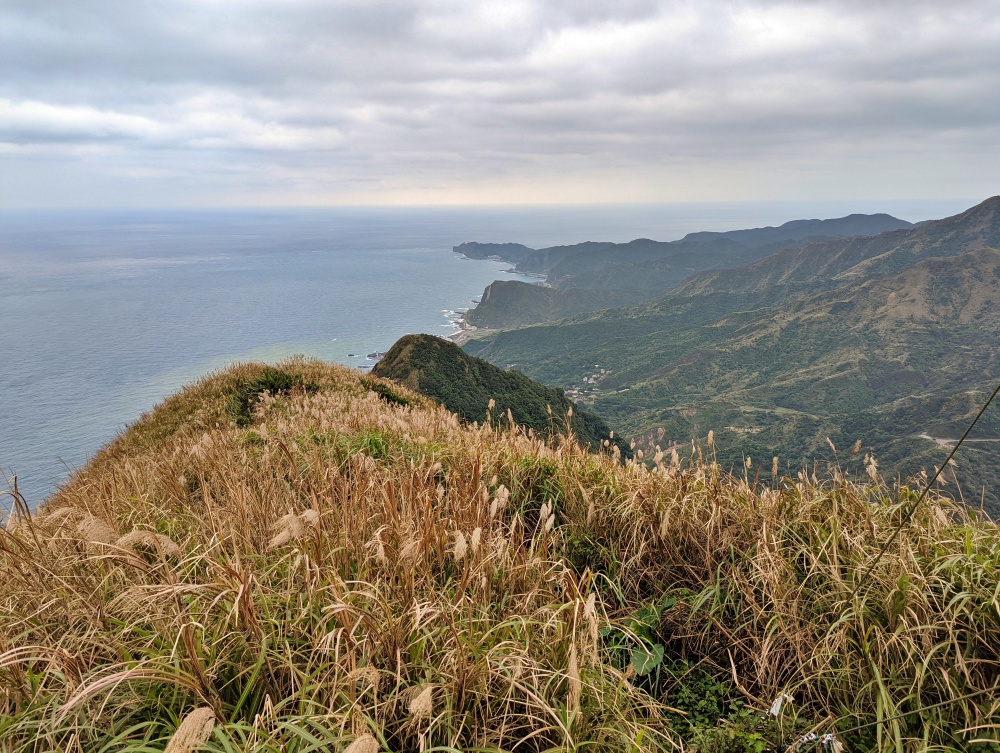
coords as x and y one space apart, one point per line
355 569
472 388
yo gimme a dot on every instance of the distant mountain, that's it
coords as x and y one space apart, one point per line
830 264
880 339
439 369
849 226
640 270
512 252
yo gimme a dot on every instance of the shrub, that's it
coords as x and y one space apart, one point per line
244 398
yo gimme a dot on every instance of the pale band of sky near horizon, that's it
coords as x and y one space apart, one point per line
288 102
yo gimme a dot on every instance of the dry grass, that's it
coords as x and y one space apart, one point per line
351 573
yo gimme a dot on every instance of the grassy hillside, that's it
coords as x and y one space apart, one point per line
474 389
820 352
339 564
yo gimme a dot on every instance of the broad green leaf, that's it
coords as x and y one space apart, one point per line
647 658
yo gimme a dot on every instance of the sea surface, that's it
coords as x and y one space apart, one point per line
103 314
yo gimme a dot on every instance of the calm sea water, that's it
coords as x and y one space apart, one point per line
104 314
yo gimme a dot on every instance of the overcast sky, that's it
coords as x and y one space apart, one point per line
264 102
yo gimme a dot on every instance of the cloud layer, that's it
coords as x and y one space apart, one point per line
309 101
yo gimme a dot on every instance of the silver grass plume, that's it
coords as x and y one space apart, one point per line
364 744
575 690
156 541
474 540
286 529
461 546
193 731
422 705
95 531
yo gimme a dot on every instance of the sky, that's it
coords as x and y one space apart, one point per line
105 103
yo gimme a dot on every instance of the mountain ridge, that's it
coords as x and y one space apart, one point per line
847 259
637 271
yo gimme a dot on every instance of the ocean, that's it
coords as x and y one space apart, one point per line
103 314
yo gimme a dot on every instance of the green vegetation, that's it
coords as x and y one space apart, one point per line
874 339
362 574
478 391
385 392
245 396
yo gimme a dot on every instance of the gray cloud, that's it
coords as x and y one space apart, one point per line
262 101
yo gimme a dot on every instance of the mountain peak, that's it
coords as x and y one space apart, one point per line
467 386
976 226
985 209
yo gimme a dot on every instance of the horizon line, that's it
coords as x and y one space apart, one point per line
499 205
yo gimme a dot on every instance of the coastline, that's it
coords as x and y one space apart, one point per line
469 331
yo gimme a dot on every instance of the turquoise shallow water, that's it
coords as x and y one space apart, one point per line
104 314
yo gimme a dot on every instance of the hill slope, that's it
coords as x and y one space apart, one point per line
351 568
439 369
